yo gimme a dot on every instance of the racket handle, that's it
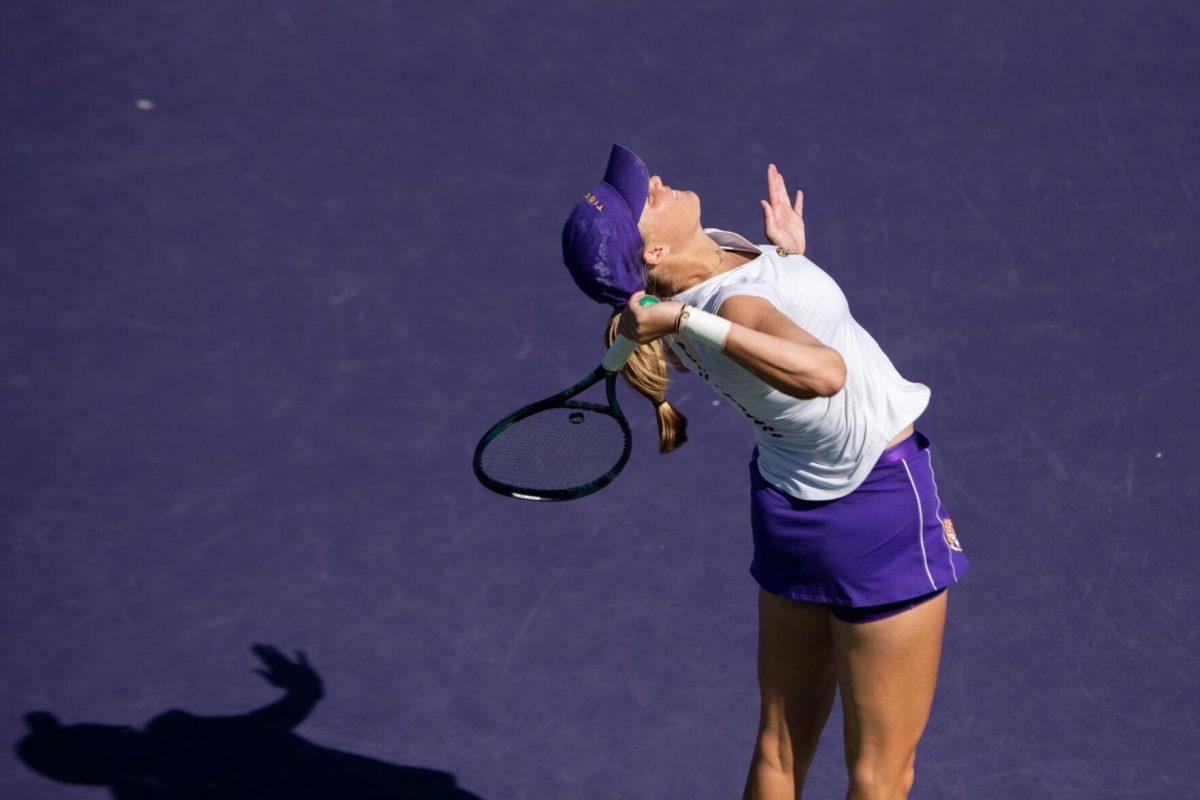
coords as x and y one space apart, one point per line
618 353
622 348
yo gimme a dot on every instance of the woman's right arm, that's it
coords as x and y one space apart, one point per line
760 338
779 352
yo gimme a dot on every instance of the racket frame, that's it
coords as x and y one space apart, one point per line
614 360
560 400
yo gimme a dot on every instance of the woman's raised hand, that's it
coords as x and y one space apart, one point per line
784 223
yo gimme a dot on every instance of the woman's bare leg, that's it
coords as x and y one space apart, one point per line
887 672
797 682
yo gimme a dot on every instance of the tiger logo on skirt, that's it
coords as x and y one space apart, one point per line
951 536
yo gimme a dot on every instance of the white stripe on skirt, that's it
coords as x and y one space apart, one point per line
920 521
949 555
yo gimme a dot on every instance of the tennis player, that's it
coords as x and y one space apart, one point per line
853 549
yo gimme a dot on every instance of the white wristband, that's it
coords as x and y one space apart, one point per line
705 328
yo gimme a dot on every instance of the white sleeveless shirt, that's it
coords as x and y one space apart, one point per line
818 449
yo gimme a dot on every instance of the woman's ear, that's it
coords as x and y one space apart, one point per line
652 254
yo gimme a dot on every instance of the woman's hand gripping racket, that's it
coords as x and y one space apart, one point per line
559 448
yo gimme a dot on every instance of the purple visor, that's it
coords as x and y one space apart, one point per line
601 244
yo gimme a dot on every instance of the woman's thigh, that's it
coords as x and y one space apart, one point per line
887 672
796 676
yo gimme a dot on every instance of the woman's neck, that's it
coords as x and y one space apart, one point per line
702 261
722 261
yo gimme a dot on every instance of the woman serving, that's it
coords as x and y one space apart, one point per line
853 549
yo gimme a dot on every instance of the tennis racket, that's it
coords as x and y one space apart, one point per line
559 448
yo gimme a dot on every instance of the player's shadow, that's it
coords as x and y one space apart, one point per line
253 755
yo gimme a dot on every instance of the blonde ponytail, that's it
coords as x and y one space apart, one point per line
646 372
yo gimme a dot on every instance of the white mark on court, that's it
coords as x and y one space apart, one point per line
515 641
145 105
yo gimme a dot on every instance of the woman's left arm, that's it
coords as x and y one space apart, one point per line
783 223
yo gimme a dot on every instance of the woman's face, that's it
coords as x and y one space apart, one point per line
670 216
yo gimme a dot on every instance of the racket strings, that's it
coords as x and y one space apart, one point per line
558 448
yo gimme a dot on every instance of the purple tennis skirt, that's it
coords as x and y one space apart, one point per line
882 548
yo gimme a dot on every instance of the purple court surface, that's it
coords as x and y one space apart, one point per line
270 269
